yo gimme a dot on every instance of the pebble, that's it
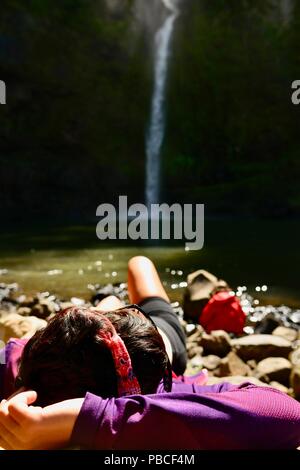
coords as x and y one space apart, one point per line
295 317
248 330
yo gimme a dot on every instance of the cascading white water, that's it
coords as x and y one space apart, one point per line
156 130
287 9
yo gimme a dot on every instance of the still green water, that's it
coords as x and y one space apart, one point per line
65 260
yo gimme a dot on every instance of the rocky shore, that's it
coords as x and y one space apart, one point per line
268 354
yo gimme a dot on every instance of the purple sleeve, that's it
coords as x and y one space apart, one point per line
245 417
9 363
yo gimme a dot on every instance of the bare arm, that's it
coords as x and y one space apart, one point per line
29 427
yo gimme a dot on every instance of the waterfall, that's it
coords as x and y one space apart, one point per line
287 10
156 129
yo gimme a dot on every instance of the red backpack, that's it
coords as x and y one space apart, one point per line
223 312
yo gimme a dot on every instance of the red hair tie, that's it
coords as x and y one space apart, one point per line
127 382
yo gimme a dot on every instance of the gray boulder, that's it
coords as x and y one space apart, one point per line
216 343
232 365
295 357
288 333
194 350
26 301
24 311
276 369
295 381
279 387
194 366
211 362
17 326
43 309
193 332
252 364
259 347
236 380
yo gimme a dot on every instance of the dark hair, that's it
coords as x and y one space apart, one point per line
67 358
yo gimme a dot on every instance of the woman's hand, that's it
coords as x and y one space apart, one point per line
31 427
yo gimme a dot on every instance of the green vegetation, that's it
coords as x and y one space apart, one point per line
233 131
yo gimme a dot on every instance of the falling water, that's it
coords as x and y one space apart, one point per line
157 120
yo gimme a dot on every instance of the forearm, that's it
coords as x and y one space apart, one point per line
23 426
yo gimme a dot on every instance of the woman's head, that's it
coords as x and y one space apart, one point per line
70 356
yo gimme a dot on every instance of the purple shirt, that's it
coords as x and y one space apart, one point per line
191 417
